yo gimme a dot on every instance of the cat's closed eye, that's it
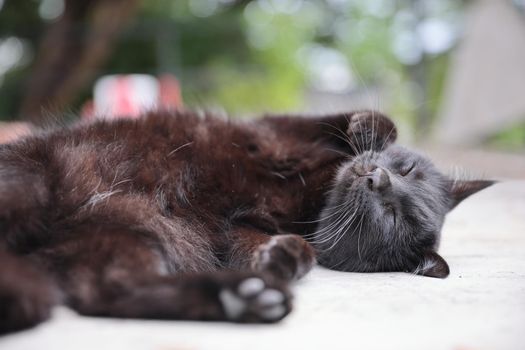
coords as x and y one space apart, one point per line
407 169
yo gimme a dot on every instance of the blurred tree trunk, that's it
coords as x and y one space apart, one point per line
71 53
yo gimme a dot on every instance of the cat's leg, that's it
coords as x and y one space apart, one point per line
219 296
26 294
286 256
356 131
24 196
118 274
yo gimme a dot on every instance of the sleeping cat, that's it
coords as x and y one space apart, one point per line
179 216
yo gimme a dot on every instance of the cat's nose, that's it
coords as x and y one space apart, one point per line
377 179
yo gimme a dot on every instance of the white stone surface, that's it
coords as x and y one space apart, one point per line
481 305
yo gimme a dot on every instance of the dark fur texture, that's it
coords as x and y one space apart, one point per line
178 216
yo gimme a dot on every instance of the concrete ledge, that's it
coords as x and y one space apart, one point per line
480 306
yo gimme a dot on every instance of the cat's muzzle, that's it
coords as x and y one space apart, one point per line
377 179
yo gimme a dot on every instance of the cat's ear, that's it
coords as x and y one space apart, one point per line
461 189
432 265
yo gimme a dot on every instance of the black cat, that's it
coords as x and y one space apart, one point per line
175 216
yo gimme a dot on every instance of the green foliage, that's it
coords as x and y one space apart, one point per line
17 19
251 56
510 138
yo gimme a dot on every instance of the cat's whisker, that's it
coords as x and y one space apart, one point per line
340 230
387 138
359 237
363 142
342 227
373 133
365 134
338 152
341 138
334 127
372 137
343 232
345 137
357 149
336 265
327 229
319 220
328 235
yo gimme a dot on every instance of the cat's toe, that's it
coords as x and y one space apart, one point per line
271 303
287 257
255 300
251 286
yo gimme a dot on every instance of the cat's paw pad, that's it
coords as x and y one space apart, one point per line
370 130
284 256
253 300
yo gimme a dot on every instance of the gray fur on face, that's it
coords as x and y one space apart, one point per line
384 213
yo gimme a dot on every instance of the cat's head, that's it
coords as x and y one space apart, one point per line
385 213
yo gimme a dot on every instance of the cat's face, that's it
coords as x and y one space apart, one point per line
385 213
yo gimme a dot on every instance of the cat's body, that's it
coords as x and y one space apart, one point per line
175 216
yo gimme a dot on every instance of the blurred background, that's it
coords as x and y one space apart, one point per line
451 73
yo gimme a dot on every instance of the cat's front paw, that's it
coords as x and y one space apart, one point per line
254 300
371 130
286 257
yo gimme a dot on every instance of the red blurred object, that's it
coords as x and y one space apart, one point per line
123 104
127 96
13 130
170 95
